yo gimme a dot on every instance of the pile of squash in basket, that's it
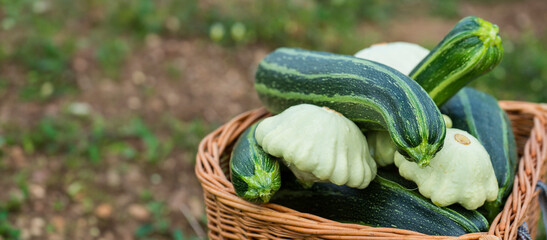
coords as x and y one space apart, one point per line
390 137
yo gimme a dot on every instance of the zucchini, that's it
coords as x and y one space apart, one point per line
372 95
255 174
384 203
472 48
480 114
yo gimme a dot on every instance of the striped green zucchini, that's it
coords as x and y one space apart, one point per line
255 174
472 48
372 95
384 203
479 114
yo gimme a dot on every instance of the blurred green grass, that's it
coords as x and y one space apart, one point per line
90 138
41 38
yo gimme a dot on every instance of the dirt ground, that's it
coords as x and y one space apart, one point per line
211 83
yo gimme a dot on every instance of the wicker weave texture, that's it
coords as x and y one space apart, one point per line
230 217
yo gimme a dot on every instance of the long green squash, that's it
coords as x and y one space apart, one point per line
480 114
386 202
472 48
372 95
255 174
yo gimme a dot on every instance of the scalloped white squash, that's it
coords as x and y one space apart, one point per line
381 147
318 144
402 56
461 172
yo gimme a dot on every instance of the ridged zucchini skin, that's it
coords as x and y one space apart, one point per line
255 174
371 94
384 203
480 114
472 48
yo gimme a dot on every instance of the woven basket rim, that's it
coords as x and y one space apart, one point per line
214 181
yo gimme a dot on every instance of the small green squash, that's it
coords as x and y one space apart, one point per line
472 48
255 174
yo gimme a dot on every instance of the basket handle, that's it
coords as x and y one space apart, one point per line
522 231
543 200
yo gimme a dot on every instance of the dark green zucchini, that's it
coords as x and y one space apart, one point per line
372 95
384 203
471 49
255 174
480 114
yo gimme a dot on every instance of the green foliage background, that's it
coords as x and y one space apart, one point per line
40 38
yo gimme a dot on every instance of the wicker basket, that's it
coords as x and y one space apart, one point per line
230 217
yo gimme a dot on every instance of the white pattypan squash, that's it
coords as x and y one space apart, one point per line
402 56
447 121
318 144
461 172
381 147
